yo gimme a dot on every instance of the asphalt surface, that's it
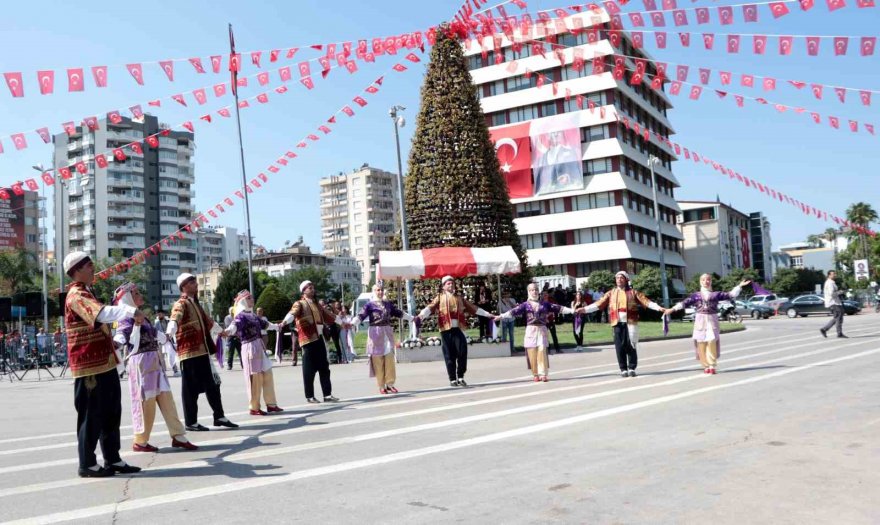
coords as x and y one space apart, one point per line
785 433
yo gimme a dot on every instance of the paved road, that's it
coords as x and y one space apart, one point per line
785 433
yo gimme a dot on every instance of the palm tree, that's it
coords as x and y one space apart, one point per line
861 214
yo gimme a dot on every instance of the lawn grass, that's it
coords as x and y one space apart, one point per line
594 334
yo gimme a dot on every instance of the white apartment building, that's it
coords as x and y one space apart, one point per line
360 215
130 205
717 238
343 269
219 246
598 213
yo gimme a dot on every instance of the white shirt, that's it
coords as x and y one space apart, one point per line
830 293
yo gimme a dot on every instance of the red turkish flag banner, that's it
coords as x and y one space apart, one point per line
153 141
46 79
137 72
797 84
733 43
759 44
114 117
263 177
313 137
695 92
657 19
853 126
360 101
685 39
48 178
866 47
136 147
702 15
813 45
769 84
179 98
513 148
307 82
200 96
835 122
16 189
785 43
235 62
44 132
704 75
680 17
119 155
272 169
244 104
657 82
284 73
747 80
282 161
224 112
816 117
69 128
255 57
840 45
256 183
290 155
219 90
817 90
197 64
281 90
636 19
660 38
262 98
864 3
32 184
725 15
168 67
101 160
674 88
778 9
681 73
81 167
412 57
841 93
638 39
325 66
725 77
614 38
834 5
228 201
75 80
65 173
263 78
19 141
865 97
750 13
155 103
348 111
189 125
216 62
870 128
4 195
91 123
708 40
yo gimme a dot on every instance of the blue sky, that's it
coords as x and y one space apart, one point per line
816 164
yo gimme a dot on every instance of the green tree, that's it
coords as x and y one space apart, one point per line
233 279
275 306
539 270
320 277
454 193
18 271
648 282
861 214
736 276
600 280
793 281
693 284
138 274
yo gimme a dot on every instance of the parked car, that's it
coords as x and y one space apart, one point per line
726 312
814 304
772 301
754 310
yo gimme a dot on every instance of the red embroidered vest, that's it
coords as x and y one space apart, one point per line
89 345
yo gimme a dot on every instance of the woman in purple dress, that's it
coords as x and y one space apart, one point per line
537 335
706 331
380 338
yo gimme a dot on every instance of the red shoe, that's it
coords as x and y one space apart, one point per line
712 371
537 379
274 408
706 371
258 413
383 391
392 389
183 444
545 379
144 448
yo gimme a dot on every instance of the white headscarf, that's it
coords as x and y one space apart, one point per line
373 297
122 295
241 303
534 294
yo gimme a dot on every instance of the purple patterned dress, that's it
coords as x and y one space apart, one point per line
706 326
146 367
380 335
537 333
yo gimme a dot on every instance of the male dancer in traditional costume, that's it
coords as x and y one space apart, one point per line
536 339
194 333
707 335
92 360
310 320
452 311
623 316
147 382
256 365
380 338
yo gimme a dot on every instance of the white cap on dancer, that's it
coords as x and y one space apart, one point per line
443 280
623 273
184 277
302 286
73 259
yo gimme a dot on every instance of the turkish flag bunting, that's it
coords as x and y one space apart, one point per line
242 82
725 77
865 97
650 5
412 57
340 59
817 90
780 107
835 122
759 44
15 84
65 173
19 141
216 62
747 80
273 169
725 14
16 189
31 184
307 82
680 17
841 93
223 112
189 125
69 128
119 155
348 111
168 67
840 45
136 147
46 80
614 38
733 43
284 73
197 64
44 132
282 161
200 95
256 183
867 45
870 128
255 57
290 155
708 40
695 92
281 89
235 62
81 167
704 75
219 90
304 69
638 39
853 126
797 84
301 145
813 45
834 5
750 13
674 88
769 84
611 7
263 78
178 98
114 117
685 39
657 19
154 103
785 43
660 38
91 123
816 117
262 98
48 178
636 19
101 160
325 66
74 80
244 104
312 137
153 141
681 73
657 82
137 72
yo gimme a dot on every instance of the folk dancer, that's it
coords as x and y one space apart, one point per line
380 338
311 319
97 395
346 334
452 311
233 343
581 300
255 363
161 325
623 303
147 383
194 333
537 335
707 336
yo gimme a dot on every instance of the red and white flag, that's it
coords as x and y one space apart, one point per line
47 138
75 81
99 73
46 80
136 111
813 45
263 78
750 13
725 15
114 117
137 72
19 140
197 64
200 96
867 45
178 98
219 90
840 45
785 43
216 62
168 67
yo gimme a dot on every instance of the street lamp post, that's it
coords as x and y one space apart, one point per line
41 224
651 161
399 122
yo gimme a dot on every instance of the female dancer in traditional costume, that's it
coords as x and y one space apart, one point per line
380 338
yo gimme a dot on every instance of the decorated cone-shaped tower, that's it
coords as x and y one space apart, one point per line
455 193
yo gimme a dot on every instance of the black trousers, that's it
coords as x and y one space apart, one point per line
233 344
837 312
579 330
485 330
552 328
199 378
98 402
334 336
627 358
454 353
315 362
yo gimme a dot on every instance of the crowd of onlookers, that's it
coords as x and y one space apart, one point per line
21 351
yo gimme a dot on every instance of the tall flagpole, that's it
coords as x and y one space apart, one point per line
247 209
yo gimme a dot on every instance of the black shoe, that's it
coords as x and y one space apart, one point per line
624 373
843 336
331 399
632 373
198 427
124 469
100 473
228 368
312 400
559 352
453 383
824 334
227 424
462 382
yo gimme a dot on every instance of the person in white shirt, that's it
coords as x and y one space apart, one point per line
505 304
832 301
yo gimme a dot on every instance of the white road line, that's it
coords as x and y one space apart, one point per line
418 428
391 404
159 425
215 490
